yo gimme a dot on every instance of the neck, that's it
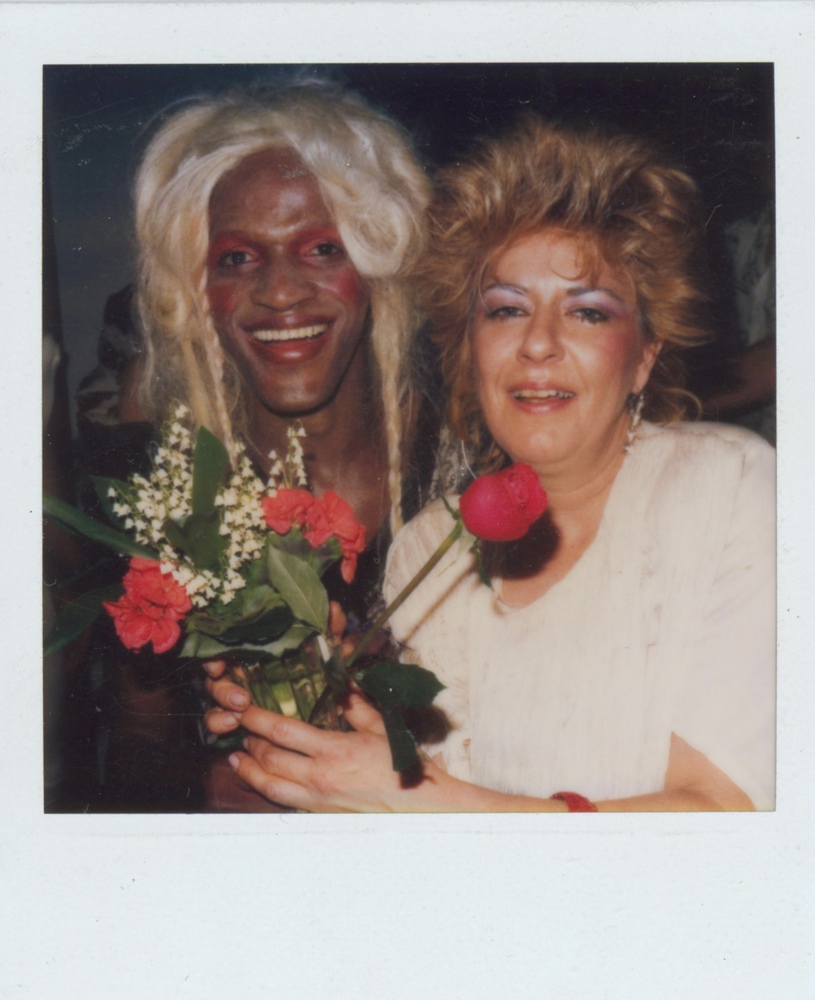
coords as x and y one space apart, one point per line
577 494
344 447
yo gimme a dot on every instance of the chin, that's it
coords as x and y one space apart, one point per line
294 405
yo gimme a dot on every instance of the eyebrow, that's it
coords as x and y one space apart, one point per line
504 286
596 288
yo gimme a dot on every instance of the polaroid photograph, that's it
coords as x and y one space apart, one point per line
406 416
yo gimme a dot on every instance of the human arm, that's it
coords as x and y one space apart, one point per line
693 779
292 763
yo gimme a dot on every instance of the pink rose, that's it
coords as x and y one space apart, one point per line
150 608
504 506
286 509
331 516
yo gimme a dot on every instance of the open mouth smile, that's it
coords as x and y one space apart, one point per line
281 336
541 394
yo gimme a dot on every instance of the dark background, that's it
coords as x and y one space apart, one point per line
716 120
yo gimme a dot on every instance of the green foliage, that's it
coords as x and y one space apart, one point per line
396 687
75 617
294 543
399 685
69 517
210 464
197 645
299 586
124 491
261 630
404 752
197 535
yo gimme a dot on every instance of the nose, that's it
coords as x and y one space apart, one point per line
281 285
541 340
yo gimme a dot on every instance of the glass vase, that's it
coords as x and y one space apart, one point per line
291 684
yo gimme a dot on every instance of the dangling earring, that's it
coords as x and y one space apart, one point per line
466 460
635 404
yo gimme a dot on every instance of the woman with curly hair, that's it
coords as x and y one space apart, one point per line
624 657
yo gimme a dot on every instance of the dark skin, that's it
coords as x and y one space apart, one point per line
293 313
277 266
342 453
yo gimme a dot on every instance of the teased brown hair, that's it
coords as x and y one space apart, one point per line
614 192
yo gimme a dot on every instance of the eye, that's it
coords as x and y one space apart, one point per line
588 315
233 258
504 312
327 249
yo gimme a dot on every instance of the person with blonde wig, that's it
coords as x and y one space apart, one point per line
276 227
623 658
368 185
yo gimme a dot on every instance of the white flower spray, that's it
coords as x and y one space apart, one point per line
167 494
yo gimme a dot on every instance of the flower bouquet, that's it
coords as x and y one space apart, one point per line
234 565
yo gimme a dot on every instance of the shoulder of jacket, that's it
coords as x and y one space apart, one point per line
697 439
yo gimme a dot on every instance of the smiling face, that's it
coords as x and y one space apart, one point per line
557 355
287 302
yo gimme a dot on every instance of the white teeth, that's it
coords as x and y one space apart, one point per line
542 394
301 333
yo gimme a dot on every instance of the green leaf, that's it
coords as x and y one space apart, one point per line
300 587
294 543
395 687
197 535
207 647
123 491
210 462
259 631
399 685
402 742
253 601
293 639
67 516
75 617
204 647
247 607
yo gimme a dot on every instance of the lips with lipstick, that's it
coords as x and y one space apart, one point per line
281 336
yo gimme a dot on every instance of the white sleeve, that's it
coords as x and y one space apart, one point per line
726 703
431 625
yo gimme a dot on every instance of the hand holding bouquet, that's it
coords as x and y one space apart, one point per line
234 565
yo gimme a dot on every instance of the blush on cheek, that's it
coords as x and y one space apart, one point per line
223 300
347 286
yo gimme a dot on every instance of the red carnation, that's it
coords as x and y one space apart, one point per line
331 516
150 608
504 506
286 509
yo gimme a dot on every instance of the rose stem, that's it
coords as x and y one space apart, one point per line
405 594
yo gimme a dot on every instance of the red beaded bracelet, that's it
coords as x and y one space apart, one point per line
575 803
